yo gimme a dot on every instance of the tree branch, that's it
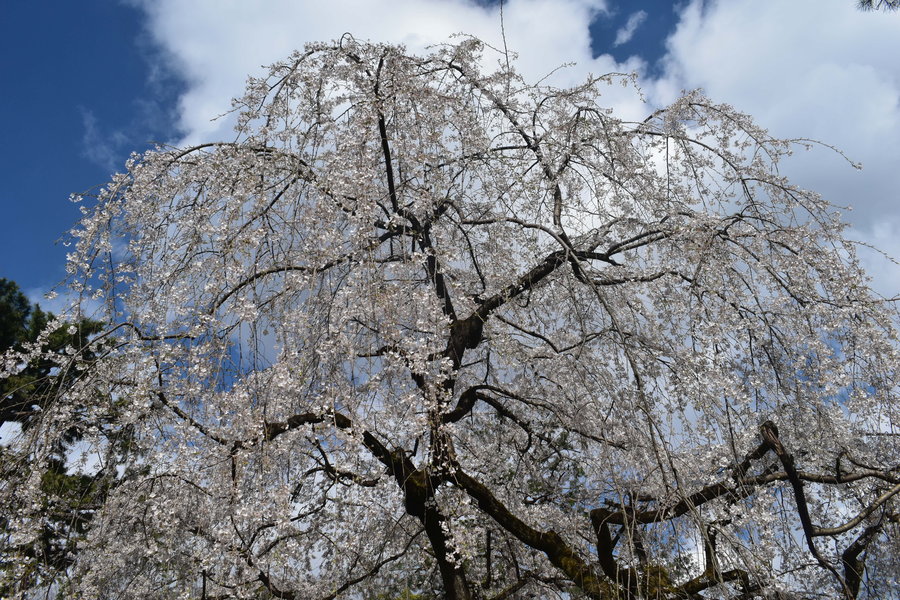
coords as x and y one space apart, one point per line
560 554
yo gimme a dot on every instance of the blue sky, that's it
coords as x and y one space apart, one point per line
82 89
87 82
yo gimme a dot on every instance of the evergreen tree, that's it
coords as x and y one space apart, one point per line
69 497
15 311
22 323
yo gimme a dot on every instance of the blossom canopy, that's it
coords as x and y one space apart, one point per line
425 329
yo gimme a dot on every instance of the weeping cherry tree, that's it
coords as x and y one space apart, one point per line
419 331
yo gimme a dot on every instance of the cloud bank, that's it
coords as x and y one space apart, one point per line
807 68
215 44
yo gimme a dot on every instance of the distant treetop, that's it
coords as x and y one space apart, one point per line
886 5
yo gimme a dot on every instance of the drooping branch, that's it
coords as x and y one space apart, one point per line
374 570
257 275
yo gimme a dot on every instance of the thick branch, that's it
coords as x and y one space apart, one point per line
560 554
853 565
298 268
418 493
523 283
769 433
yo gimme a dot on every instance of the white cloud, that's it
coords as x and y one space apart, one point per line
9 432
216 44
626 32
878 254
807 68
104 149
